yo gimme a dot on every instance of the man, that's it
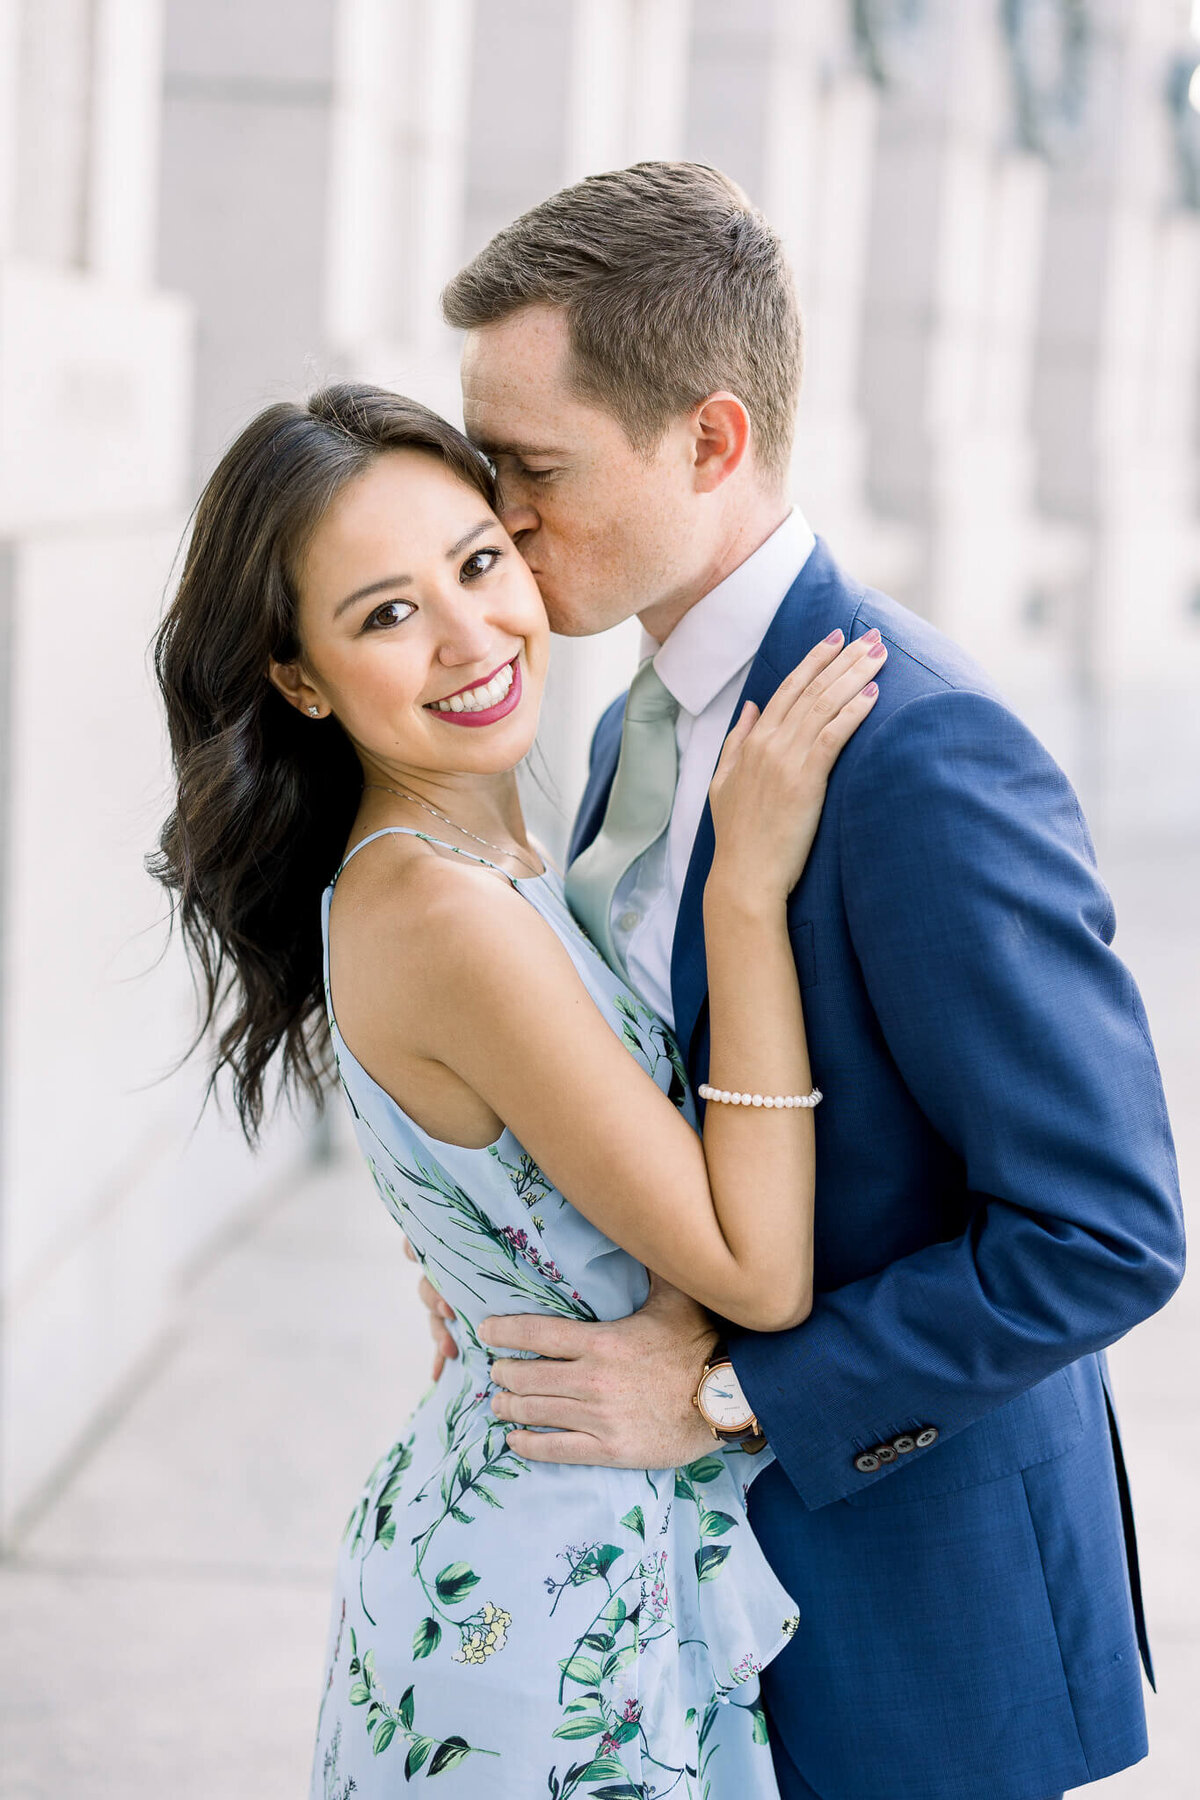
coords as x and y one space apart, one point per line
997 1193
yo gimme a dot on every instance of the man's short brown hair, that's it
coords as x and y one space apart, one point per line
674 286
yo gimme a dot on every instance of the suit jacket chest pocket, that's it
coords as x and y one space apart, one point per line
802 938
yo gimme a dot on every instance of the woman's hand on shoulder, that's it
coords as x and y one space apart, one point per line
769 786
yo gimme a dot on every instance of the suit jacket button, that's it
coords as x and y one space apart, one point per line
886 1453
902 1445
867 1463
927 1437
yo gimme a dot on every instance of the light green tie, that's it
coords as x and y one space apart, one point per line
638 811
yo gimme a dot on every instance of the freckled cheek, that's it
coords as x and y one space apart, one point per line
607 556
562 521
580 539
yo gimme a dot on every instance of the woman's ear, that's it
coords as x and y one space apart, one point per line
296 688
722 439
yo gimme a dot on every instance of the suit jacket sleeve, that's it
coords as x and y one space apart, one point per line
982 932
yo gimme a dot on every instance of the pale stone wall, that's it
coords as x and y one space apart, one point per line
105 1196
1115 414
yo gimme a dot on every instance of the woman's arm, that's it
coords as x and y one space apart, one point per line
475 980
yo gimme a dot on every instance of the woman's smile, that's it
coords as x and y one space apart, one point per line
484 701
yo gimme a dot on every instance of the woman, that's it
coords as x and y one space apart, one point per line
352 668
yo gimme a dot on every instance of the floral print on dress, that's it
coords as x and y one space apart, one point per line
520 1629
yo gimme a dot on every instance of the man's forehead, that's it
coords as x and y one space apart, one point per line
504 415
499 429
512 372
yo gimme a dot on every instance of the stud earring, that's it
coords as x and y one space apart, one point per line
314 712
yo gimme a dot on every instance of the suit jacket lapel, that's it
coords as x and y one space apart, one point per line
606 748
817 600
689 968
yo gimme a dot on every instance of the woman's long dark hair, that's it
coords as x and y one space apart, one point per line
265 798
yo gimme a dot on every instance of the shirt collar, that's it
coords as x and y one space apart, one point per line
721 633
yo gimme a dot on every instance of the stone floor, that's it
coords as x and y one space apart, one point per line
162 1624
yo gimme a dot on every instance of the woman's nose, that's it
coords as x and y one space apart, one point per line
466 638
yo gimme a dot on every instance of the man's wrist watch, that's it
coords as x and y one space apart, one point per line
724 1407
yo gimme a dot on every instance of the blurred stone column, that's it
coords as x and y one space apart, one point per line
243 222
95 367
627 83
956 239
1116 412
109 1190
397 190
780 99
94 390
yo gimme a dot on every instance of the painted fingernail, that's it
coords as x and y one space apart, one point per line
835 637
871 689
875 651
872 636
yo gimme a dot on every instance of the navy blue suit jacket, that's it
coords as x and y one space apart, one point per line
997 1201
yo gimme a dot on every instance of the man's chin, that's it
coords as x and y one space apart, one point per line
574 628
580 622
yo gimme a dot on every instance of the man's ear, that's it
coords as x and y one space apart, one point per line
721 441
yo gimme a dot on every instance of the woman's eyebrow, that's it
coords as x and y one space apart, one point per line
395 581
475 531
375 587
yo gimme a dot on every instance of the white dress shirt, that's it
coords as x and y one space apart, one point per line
704 664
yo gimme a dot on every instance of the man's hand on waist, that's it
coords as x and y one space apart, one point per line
617 1393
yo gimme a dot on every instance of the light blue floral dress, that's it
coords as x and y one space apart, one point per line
516 1629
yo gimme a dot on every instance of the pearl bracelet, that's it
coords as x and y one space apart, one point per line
724 1096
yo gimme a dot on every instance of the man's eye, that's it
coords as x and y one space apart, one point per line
390 614
535 474
477 564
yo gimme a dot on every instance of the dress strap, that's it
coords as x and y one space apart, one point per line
408 831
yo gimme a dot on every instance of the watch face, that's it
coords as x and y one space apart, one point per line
723 1401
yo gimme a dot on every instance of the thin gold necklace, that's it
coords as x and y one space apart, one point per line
381 787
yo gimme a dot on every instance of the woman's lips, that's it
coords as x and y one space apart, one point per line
470 686
490 714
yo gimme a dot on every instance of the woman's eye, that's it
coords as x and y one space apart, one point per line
478 563
391 613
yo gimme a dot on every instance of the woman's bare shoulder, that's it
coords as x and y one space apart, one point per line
408 907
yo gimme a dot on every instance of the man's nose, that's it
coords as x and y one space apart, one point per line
518 518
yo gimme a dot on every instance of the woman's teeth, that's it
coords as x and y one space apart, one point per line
478 699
